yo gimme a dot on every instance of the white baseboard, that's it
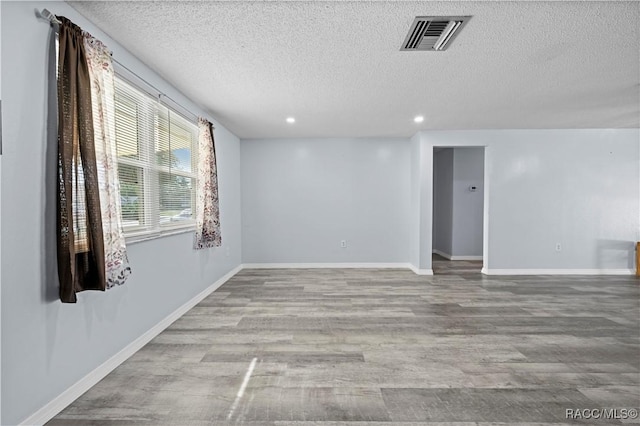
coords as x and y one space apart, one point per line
466 257
558 271
337 266
60 402
421 271
452 257
324 265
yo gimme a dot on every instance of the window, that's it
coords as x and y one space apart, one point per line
156 150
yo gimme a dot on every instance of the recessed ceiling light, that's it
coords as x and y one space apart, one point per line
291 120
418 119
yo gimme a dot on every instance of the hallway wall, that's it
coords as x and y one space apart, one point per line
468 170
443 172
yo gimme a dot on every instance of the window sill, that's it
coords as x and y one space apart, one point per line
152 235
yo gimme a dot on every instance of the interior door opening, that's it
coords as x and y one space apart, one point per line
458 210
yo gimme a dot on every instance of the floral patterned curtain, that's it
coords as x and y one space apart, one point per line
207 206
103 106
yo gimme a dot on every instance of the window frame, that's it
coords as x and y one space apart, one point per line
148 137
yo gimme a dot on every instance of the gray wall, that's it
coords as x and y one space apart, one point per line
46 345
0 217
579 188
420 204
414 201
301 197
468 170
443 200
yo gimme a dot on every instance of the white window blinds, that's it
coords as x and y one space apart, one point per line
157 163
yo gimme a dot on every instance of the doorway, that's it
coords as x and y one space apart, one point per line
458 210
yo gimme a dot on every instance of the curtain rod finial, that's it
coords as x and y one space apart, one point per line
45 14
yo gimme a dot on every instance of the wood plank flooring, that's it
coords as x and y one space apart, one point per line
336 346
443 266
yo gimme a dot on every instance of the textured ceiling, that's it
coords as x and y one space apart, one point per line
336 66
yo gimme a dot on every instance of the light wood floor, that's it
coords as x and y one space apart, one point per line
323 347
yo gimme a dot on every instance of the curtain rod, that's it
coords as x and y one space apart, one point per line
53 19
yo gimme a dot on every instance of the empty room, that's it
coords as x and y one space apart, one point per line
294 213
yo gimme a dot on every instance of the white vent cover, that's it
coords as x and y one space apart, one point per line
433 32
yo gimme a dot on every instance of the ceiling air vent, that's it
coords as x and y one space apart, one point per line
433 32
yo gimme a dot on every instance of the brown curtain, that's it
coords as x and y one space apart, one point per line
81 264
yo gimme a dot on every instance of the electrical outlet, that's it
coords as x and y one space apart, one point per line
343 243
558 247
